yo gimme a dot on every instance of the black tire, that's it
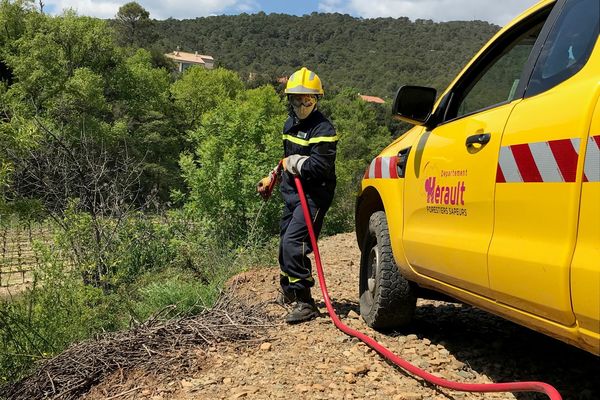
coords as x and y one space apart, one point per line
387 299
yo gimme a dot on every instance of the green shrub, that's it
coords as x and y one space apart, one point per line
111 252
57 310
237 144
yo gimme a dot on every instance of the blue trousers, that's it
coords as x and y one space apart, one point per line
294 245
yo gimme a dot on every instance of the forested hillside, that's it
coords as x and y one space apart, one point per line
373 55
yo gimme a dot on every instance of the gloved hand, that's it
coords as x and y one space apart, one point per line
293 163
263 187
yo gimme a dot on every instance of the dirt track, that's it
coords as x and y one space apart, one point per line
316 361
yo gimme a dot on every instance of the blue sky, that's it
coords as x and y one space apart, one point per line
289 7
495 11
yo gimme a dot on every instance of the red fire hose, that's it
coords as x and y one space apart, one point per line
539 387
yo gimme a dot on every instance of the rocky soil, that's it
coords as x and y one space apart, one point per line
316 361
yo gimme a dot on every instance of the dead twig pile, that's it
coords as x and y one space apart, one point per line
153 345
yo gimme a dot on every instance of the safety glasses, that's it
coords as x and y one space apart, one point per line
305 100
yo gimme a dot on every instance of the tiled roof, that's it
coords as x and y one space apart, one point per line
372 99
189 57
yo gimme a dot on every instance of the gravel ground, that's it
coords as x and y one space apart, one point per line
316 361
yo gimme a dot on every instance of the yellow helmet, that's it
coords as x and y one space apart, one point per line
304 81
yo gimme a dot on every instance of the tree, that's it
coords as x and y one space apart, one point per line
81 178
47 57
70 75
133 24
155 129
200 90
237 143
13 15
363 134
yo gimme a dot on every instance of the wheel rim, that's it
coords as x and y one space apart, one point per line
372 264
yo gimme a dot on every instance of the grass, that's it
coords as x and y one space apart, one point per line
174 293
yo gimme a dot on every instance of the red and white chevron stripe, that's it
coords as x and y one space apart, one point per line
591 167
552 161
382 167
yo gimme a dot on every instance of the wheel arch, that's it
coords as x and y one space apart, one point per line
368 202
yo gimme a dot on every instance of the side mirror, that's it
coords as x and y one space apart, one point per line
414 104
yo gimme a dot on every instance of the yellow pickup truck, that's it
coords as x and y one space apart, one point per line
493 197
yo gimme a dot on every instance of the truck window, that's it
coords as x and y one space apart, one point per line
568 46
497 82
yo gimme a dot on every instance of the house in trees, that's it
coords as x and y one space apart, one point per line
185 60
371 99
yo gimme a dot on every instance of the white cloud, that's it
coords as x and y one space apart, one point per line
499 12
331 6
180 9
102 9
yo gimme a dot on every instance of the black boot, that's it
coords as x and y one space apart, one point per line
305 308
285 298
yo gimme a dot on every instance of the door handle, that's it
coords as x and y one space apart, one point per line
480 139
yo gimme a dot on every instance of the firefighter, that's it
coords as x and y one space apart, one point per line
309 143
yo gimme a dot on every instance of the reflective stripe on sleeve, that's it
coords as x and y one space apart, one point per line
304 142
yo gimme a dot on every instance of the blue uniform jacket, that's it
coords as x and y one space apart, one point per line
315 137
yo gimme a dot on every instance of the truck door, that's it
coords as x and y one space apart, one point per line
585 268
449 190
541 169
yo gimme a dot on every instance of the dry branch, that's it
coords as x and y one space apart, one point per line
153 346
